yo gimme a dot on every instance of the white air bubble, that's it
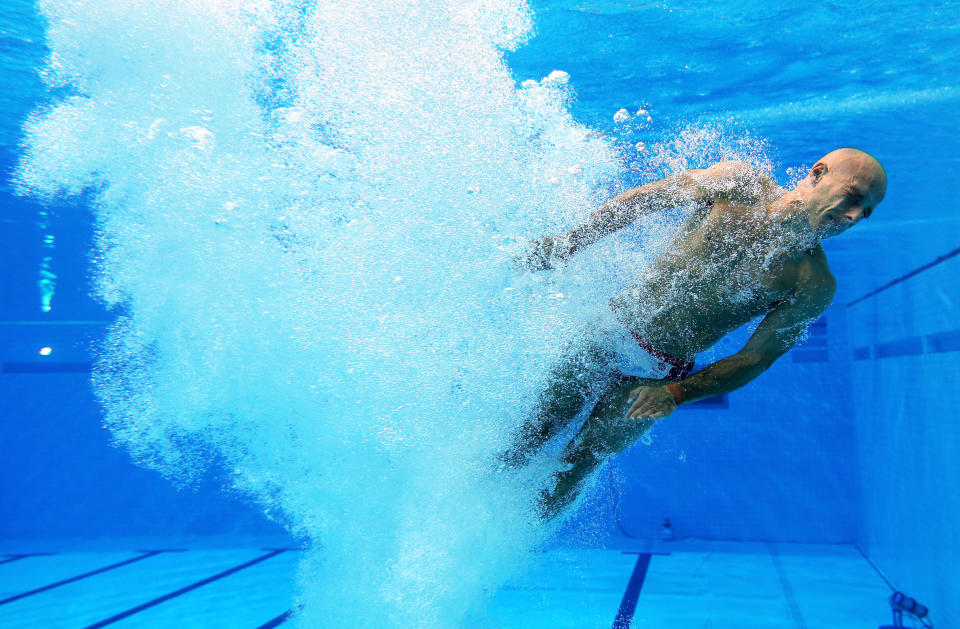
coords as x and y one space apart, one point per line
305 292
558 77
201 136
155 128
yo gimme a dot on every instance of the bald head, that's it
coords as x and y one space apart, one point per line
843 187
859 164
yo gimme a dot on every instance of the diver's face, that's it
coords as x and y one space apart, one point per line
842 194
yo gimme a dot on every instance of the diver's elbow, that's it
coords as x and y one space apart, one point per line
757 361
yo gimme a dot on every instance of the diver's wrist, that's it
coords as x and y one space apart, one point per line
677 392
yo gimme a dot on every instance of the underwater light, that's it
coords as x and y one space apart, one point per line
45 351
900 603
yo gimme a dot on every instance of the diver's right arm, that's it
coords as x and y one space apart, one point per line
724 180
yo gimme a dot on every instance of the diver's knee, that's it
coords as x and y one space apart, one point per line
610 444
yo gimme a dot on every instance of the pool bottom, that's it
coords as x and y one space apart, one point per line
683 584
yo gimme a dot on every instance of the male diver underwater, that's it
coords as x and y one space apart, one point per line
749 249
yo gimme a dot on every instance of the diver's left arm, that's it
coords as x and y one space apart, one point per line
777 333
734 181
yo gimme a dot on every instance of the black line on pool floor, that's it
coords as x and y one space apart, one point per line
113 566
184 590
9 558
628 605
279 620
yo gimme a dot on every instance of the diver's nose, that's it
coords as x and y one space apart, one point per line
854 215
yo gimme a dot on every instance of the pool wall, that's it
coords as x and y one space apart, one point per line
905 402
65 485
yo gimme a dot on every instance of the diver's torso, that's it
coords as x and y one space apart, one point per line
722 269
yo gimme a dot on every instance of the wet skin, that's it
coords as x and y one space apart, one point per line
749 249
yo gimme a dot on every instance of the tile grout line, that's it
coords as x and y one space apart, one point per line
786 587
876 568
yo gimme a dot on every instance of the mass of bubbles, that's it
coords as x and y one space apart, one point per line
306 214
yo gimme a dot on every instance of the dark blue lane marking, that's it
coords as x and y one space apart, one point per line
907 276
628 605
9 558
146 554
910 346
944 342
279 620
936 343
185 589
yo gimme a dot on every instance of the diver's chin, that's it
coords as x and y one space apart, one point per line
829 227
831 231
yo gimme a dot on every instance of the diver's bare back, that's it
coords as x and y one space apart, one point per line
727 265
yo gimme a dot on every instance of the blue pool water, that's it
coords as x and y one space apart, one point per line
258 297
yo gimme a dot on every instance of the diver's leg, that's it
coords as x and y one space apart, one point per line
572 383
606 432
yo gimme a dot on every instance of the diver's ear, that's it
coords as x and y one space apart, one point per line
817 172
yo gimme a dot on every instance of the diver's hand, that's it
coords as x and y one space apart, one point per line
653 402
543 253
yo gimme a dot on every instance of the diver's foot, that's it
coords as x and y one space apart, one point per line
566 488
510 460
550 505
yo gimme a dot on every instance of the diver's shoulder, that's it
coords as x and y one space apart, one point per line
815 274
738 182
817 258
735 168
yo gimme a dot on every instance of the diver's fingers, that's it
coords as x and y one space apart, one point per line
635 407
634 394
639 395
647 410
642 411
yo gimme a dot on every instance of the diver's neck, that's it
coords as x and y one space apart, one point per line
789 214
